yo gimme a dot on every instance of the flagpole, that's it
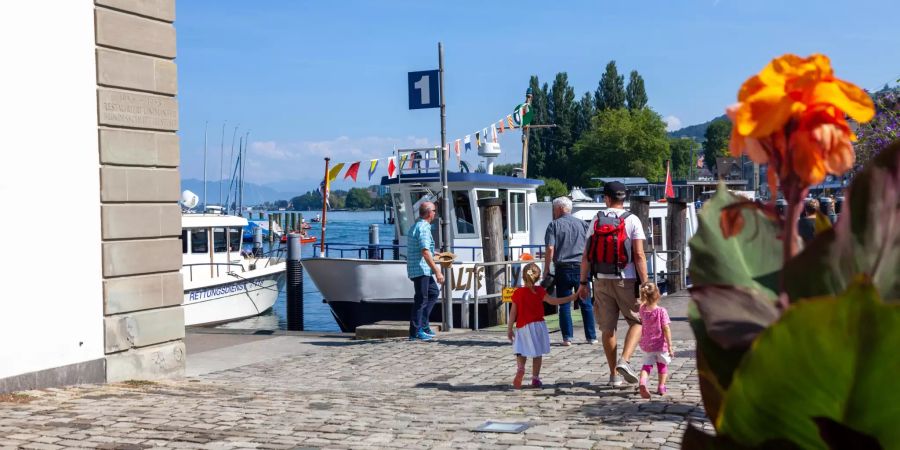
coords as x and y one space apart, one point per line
525 136
324 209
447 306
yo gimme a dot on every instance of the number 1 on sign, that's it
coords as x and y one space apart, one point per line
424 88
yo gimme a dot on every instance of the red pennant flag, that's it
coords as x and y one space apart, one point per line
500 128
670 191
392 167
351 172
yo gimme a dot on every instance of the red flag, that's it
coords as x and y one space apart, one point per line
351 172
670 191
392 167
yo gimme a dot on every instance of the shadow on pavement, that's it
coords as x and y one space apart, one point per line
469 343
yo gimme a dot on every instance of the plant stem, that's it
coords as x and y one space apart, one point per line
793 194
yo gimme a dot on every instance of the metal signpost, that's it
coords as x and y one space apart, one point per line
426 90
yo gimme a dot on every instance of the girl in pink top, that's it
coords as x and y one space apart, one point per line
656 338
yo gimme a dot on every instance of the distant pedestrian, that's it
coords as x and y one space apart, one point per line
806 226
531 339
656 339
420 267
614 257
564 240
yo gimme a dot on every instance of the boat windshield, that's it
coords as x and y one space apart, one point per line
199 241
235 239
401 214
462 209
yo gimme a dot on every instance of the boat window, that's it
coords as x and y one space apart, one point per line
401 214
517 211
234 239
199 241
655 239
219 242
462 209
484 193
184 241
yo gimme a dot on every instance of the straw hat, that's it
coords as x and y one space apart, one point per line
445 259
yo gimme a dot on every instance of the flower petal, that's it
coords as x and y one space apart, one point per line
763 113
846 97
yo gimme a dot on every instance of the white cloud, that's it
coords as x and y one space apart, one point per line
303 162
672 123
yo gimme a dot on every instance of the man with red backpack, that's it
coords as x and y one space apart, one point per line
614 258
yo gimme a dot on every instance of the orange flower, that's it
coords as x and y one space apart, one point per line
804 92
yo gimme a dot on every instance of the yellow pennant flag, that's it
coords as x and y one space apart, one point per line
333 173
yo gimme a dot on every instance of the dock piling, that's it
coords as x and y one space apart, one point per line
294 284
492 245
257 242
676 222
271 231
373 241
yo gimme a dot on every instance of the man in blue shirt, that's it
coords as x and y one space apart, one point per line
420 267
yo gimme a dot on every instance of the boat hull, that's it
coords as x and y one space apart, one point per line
243 296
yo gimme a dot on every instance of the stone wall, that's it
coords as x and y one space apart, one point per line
137 85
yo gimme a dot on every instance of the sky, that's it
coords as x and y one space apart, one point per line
310 79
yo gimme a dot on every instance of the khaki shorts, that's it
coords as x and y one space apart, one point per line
612 296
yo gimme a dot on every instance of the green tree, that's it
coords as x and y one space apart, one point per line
505 169
551 188
358 198
584 111
610 93
622 143
681 156
716 144
309 200
562 114
635 94
537 149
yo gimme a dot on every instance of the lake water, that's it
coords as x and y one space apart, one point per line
343 227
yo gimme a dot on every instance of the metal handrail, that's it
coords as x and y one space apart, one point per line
364 251
508 277
681 273
216 265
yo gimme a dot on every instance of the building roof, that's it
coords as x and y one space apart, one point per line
627 181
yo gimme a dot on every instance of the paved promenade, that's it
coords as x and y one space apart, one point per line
308 391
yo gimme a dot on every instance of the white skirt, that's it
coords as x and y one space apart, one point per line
532 340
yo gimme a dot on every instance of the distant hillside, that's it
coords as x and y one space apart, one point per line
253 193
695 132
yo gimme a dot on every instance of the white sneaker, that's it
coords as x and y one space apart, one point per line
626 371
592 342
614 381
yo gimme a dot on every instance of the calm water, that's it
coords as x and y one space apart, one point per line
343 227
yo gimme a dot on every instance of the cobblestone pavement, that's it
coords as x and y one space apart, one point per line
337 393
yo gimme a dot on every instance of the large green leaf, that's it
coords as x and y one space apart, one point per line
832 358
865 240
715 365
751 259
733 316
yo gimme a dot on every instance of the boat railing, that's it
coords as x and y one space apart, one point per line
213 267
664 273
383 251
510 281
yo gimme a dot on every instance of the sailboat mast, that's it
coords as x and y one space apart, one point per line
231 159
244 168
221 161
205 129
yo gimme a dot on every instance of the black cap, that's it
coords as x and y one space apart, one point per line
614 189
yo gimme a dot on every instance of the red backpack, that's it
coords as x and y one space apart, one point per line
609 250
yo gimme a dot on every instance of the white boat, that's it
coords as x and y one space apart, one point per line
221 281
362 291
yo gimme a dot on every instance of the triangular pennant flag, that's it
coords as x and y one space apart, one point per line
484 134
670 190
494 133
352 171
509 121
372 165
468 143
403 159
456 148
477 139
500 126
392 167
333 173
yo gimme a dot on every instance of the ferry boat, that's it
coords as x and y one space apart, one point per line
222 282
365 284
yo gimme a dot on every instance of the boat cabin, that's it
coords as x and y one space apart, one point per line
211 245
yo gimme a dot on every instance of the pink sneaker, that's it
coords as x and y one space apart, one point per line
661 390
645 393
536 383
517 381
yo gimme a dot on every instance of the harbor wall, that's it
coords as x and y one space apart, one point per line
92 121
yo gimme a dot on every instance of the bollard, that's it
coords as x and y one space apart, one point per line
257 242
396 244
294 284
373 241
464 311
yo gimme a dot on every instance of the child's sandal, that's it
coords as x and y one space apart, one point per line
536 383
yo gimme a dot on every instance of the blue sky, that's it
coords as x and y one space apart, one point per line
313 79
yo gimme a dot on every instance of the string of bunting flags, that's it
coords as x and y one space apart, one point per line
521 116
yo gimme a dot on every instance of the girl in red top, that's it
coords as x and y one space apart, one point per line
531 338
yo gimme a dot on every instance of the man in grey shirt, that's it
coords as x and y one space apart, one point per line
565 241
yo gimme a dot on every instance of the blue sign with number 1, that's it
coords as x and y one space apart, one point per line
424 91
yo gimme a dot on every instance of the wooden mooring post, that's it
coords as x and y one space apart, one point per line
676 237
492 246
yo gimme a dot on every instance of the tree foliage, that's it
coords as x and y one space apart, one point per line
536 149
875 135
622 143
552 188
560 138
307 201
680 150
358 198
610 93
716 144
635 94
505 169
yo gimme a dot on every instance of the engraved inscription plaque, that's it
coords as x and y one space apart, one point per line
129 109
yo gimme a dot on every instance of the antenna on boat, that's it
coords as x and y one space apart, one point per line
221 161
205 129
231 158
244 168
